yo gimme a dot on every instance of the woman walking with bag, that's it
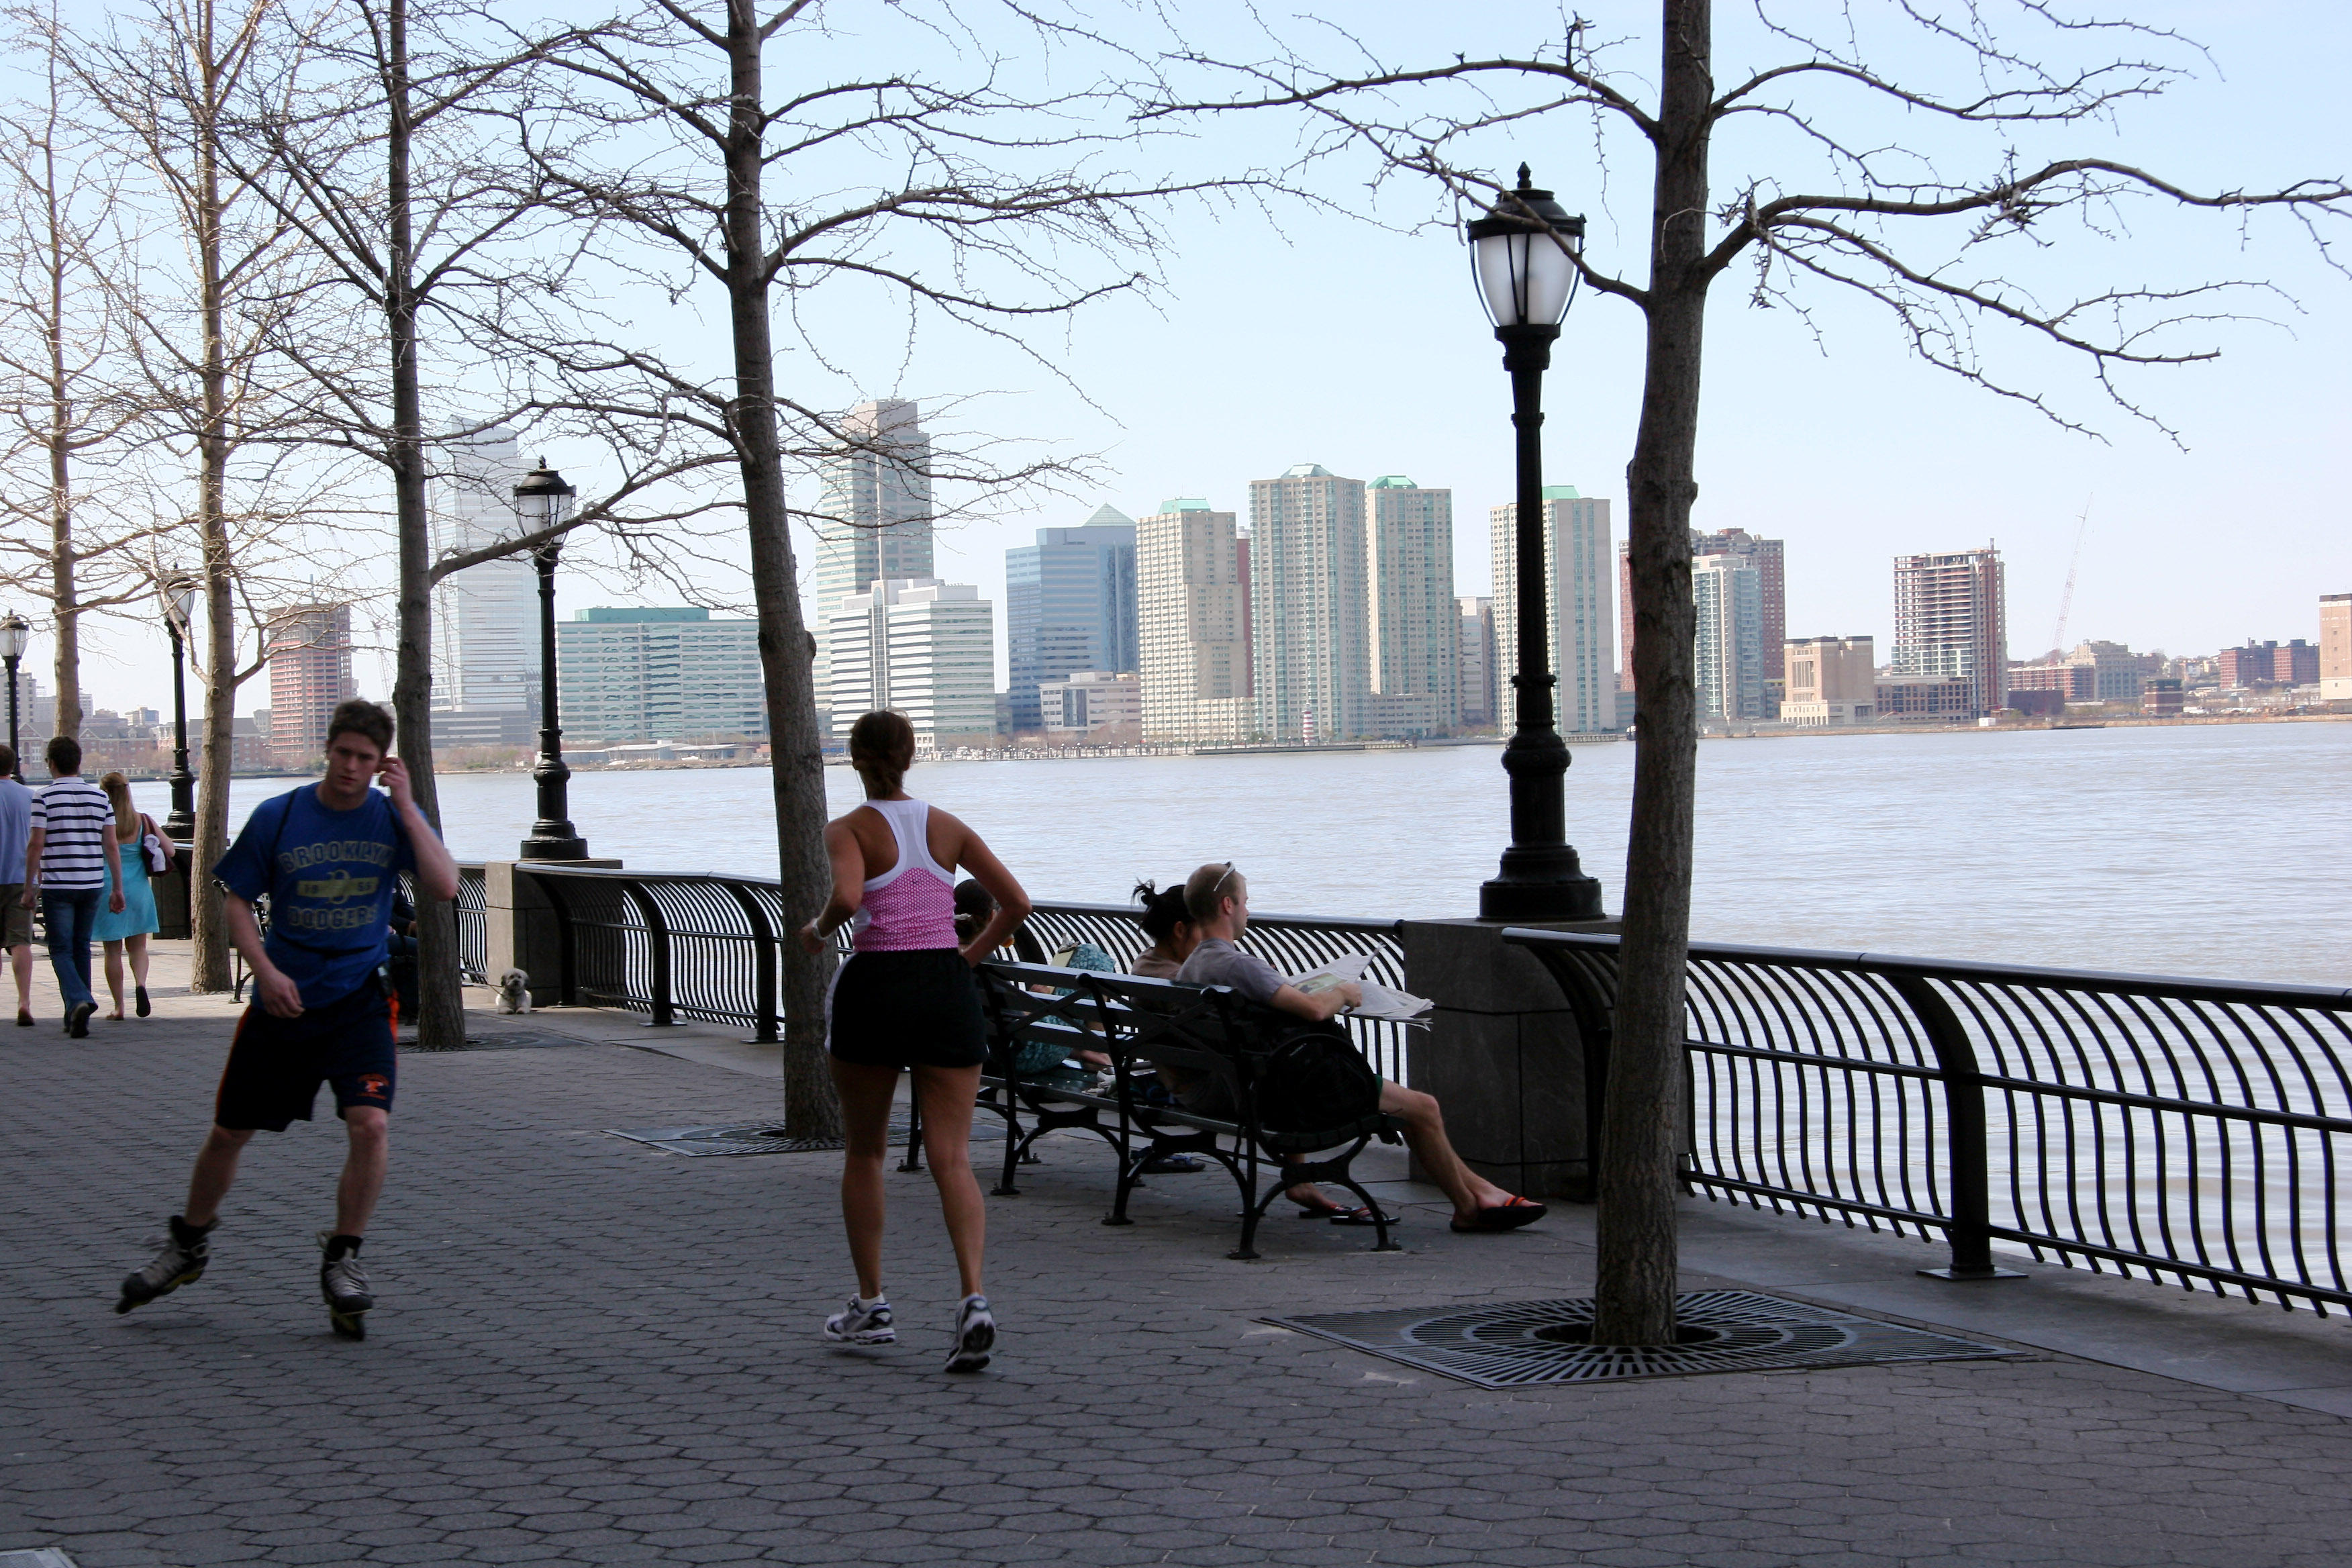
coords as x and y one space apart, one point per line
146 852
905 1001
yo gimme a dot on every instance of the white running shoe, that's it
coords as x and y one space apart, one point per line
862 1322
975 1334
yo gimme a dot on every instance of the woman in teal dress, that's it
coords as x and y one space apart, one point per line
131 928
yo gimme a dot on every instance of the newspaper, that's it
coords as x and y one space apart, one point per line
1378 1002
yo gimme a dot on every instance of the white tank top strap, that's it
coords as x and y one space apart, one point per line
910 825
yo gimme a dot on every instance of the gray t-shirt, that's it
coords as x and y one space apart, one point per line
15 830
1217 961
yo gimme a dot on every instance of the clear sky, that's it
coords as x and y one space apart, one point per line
1304 336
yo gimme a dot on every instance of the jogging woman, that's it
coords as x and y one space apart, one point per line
907 1001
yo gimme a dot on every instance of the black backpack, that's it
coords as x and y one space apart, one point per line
1316 1079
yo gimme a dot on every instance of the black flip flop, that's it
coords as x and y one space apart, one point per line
1362 1217
1505 1216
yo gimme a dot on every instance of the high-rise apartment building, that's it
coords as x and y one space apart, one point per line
1771 584
1951 622
1581 596
1191 620
1730 593
1069 605
310 671
1477 683
927 648
2335 647
1830 681
659 674
1414 655
876 507
1311 649
485 618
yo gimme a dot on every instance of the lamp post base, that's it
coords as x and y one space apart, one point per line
1540 882
563 845
1522 902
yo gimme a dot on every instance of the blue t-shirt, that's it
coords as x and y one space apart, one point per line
330 876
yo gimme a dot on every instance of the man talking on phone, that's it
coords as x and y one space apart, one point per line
328 857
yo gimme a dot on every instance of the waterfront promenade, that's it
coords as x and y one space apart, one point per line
592 1351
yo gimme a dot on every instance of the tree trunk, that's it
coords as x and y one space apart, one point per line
1643 1119
786 650
63 599
440 998
63 564
208 921
207 916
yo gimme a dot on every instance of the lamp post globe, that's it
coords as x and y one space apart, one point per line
543 500
1521 254
180 595
14 634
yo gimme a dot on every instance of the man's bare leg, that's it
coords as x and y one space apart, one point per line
1425 1131
20 960
216 1170
362 1181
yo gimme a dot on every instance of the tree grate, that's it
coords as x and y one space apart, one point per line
1521 1342
505 1040
754 1138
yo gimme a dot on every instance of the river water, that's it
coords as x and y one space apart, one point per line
2213 850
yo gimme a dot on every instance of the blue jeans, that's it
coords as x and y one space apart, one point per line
69 913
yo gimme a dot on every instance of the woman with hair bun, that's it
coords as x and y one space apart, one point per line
905 1001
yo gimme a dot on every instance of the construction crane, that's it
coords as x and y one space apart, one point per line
2066 599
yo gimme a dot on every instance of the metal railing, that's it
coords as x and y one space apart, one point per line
706 948
472 907
2187 1131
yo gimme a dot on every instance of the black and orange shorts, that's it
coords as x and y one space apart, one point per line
276 1065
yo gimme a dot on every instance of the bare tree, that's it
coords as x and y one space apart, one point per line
209 325
65 383
1936 250
387 162
702 173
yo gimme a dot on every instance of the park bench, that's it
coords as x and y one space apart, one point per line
1138 1022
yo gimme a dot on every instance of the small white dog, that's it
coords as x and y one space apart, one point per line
514 992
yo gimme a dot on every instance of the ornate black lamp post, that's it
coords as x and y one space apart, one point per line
544 500
14 634
179 604
1525 278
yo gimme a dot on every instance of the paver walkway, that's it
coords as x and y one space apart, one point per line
590 1352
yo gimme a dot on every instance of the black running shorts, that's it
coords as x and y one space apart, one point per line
917 1009
276 1065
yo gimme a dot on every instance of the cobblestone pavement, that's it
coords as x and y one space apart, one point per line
590 1352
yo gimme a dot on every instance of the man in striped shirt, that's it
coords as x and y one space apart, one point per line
72 859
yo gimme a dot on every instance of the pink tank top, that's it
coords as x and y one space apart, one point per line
911 905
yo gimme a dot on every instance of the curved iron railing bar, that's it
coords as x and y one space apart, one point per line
2135 1040
2245 1085
768 1005
2049 1025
